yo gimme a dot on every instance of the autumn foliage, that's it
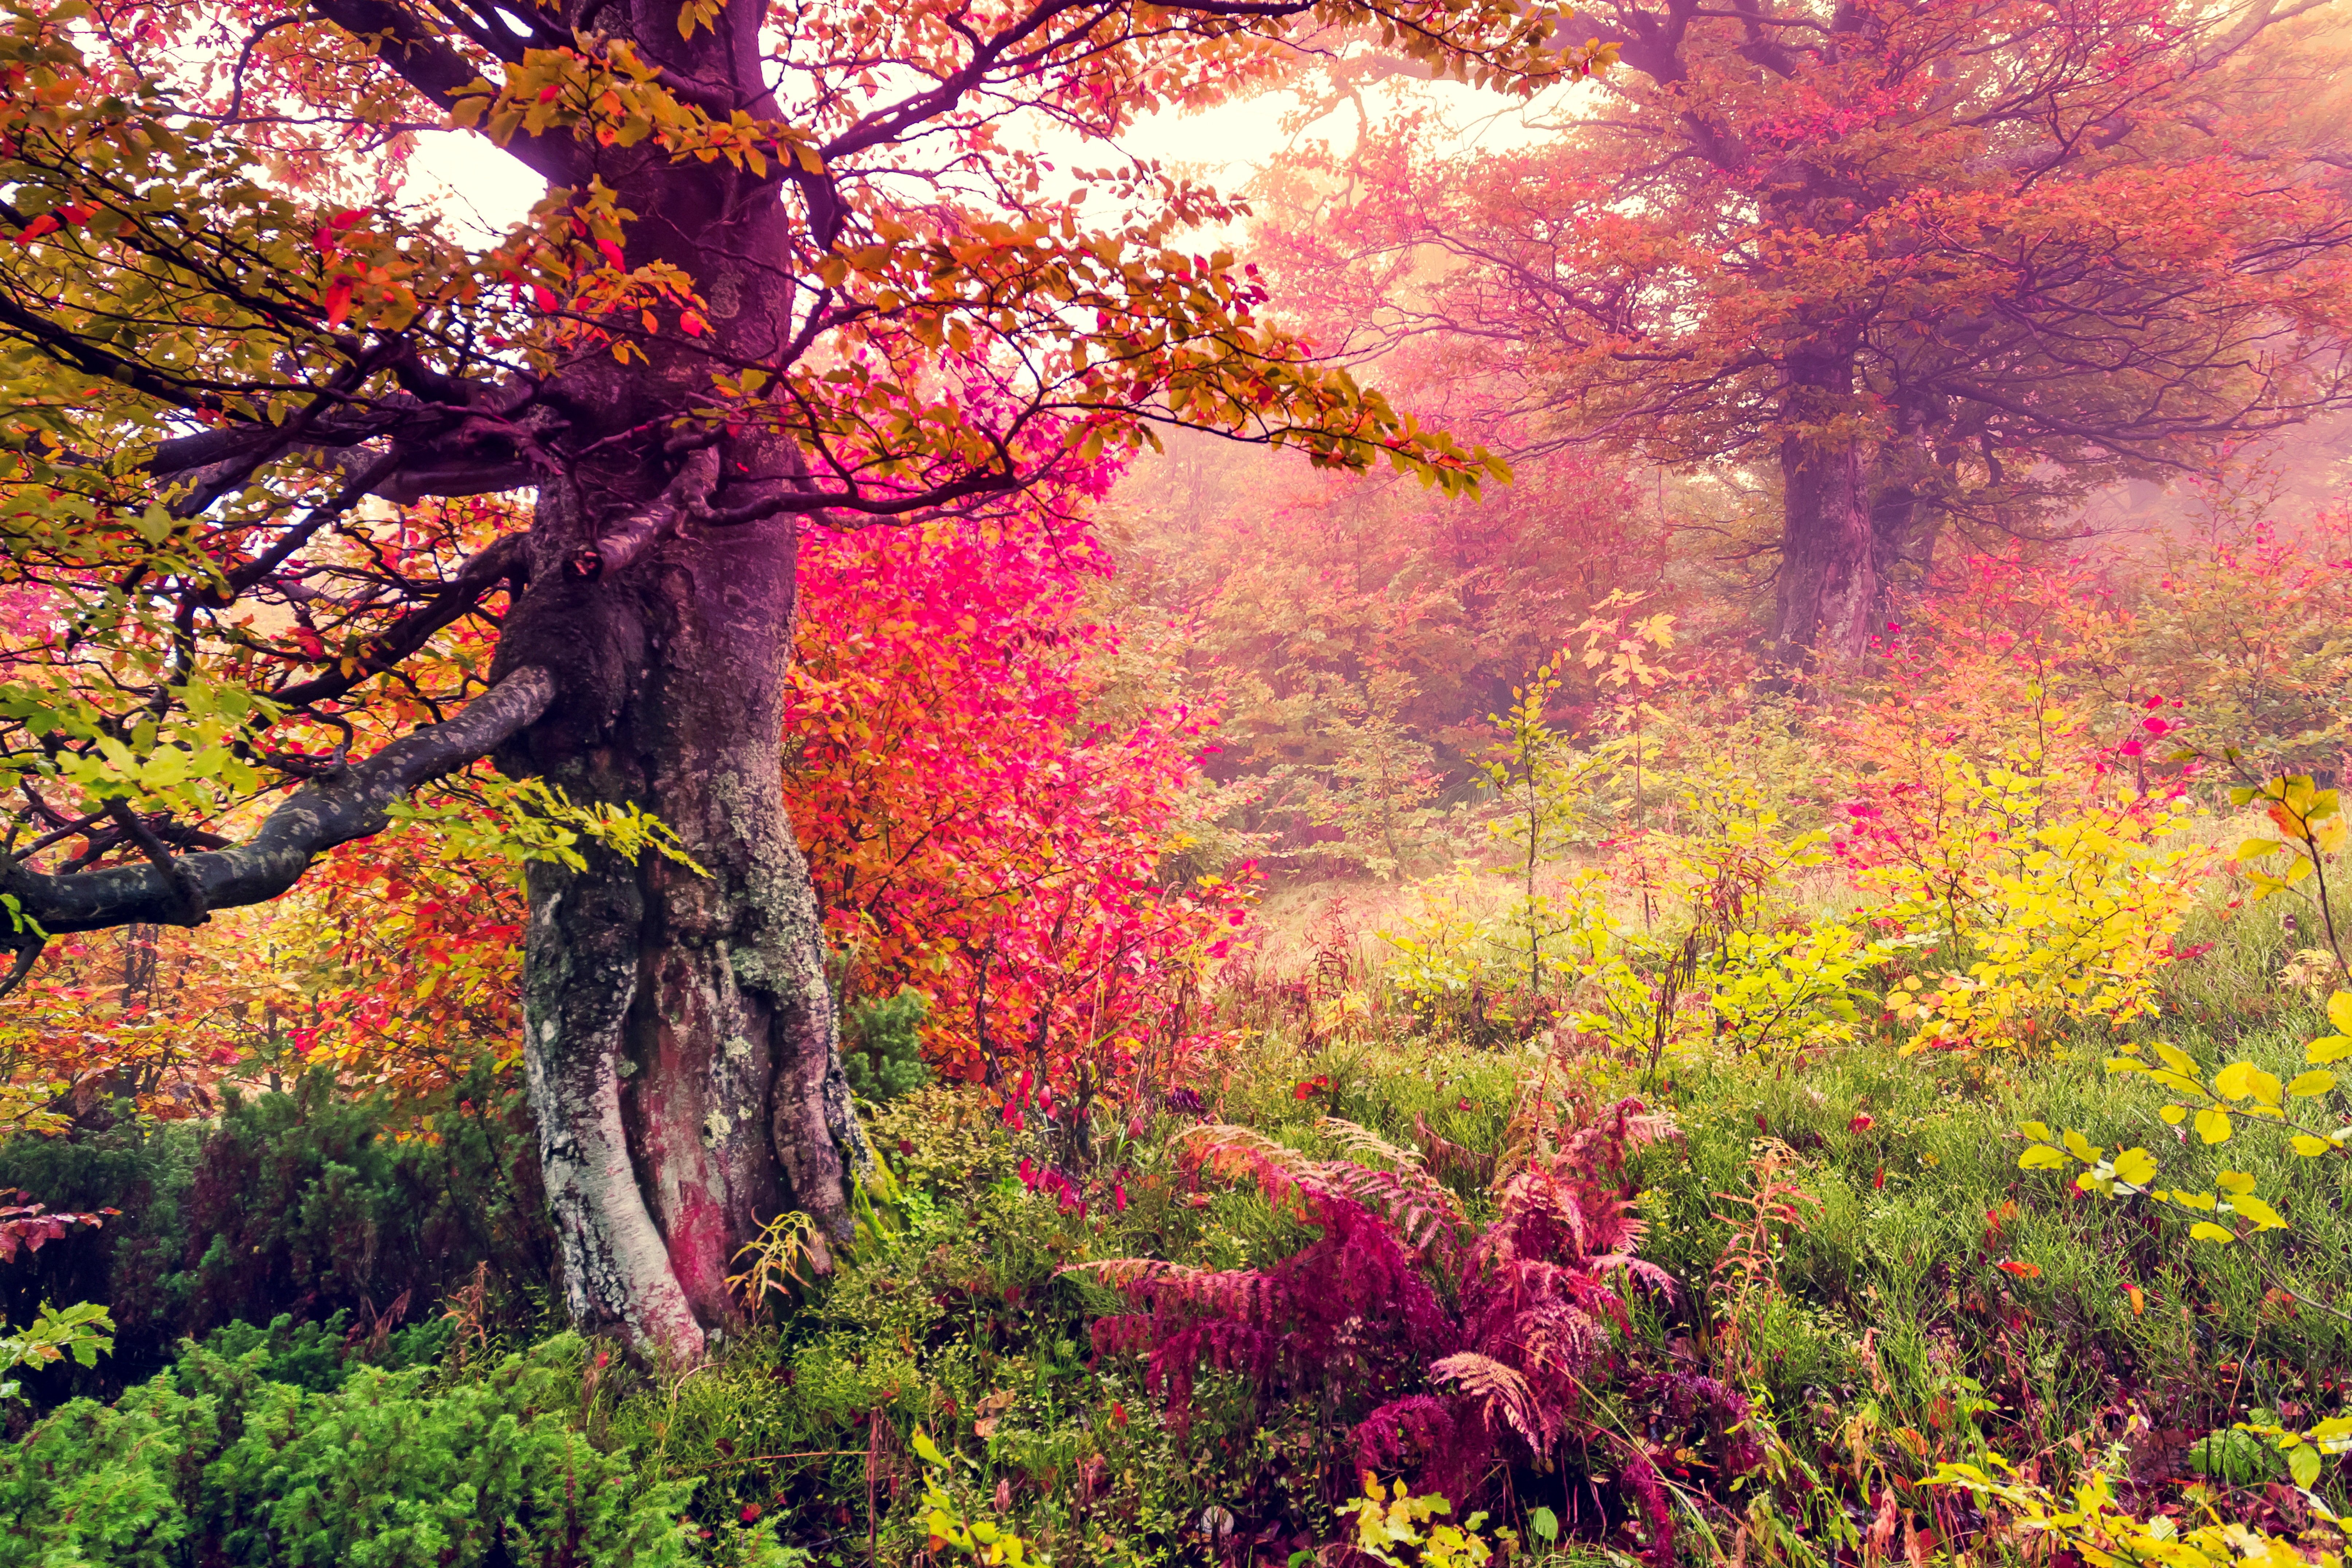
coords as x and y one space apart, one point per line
986 780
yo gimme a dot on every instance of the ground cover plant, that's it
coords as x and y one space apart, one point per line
1943 1168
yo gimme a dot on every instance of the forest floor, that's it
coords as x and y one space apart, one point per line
1747 1307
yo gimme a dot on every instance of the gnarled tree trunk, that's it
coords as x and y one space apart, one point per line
682 1049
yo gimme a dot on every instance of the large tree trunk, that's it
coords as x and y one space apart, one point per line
681 1047
1829 587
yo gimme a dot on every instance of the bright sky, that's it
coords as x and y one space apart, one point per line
1225 144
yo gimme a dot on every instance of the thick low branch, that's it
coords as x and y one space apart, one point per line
435 451
505 561
419 50
316 818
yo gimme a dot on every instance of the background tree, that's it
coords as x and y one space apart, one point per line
1892 265
1356 632
788 267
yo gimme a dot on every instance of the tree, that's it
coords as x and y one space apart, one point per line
275 430
1358 630
1902 264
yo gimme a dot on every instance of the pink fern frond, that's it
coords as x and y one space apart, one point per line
1499 1390
1244 1295
1411 1201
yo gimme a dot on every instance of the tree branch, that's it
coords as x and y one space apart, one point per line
506 559
316 818
416 49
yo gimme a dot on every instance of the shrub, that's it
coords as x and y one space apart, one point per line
1485 1343
213 1462
882 1048
305 1204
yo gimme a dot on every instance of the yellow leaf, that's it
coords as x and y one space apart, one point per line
2082 1148
2309 1147
2339 1012
2307 1085
2206 1230
2174 1115
2265 1216
2213 1126
2175 1058
2136 1166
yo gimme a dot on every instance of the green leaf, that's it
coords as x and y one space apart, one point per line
926 1450
2303 1463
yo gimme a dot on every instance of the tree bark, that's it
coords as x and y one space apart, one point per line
681 1047
1829 583
680 1033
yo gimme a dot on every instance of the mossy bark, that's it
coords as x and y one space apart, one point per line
681 1042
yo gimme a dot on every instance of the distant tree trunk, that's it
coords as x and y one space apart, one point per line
1911 476
1829 583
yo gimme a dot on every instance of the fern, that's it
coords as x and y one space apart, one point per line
1242 1295
1424 1214
1500 1390
1474 1347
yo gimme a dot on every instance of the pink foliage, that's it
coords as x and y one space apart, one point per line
986 803
1481 1344
27 1225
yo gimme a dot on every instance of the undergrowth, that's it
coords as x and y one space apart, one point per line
1741 1312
